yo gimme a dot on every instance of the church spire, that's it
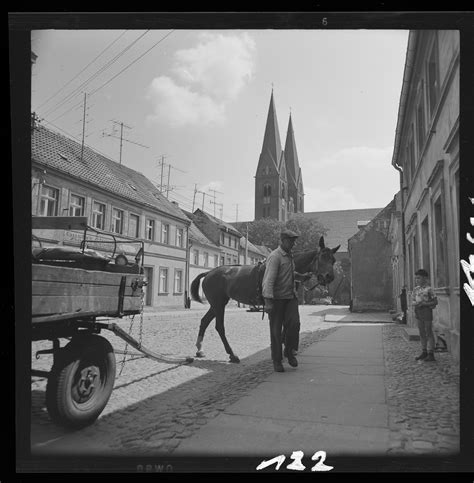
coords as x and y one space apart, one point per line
295 182
271 140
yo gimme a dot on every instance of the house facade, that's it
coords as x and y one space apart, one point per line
70 181
426 153
221 234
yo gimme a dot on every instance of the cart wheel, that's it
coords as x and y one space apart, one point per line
81 381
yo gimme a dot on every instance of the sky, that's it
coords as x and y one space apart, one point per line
194 105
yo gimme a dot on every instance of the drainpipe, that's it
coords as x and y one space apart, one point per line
407 75
187 300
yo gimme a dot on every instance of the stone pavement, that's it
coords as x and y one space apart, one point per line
357 391
334 401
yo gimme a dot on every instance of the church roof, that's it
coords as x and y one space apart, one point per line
271 139
341 224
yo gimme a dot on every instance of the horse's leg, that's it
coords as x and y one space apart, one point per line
221 331
205 321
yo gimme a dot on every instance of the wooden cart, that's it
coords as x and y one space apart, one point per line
72 290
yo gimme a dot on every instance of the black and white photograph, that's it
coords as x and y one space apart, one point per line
242 242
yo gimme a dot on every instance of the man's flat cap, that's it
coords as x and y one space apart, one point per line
288 234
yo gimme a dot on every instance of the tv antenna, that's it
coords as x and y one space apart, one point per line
122 125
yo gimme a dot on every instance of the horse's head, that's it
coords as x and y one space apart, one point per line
322 263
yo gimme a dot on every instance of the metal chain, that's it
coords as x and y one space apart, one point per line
122 364
132 320
142 306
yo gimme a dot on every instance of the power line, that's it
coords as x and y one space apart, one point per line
138 58
79 73
92 77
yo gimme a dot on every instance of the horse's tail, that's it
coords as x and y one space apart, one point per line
195 287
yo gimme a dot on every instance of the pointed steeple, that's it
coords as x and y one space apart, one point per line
291 155
271 140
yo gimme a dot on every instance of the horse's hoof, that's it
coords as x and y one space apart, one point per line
199 354
234 359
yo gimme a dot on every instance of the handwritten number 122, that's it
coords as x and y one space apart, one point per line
297 456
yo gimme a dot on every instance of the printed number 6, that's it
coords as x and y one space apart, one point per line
325 21
320 466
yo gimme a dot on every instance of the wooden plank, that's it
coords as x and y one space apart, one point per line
50 273
65 304
59 222
41 287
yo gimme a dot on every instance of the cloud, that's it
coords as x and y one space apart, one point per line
203 80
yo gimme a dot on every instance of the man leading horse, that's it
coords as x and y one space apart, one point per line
281 302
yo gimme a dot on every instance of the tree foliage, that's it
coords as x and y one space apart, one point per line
266 231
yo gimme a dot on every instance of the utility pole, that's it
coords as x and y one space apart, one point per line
216 203
122 125
214 197
168 185
194 196
83 126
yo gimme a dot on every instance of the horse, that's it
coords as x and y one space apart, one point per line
243 283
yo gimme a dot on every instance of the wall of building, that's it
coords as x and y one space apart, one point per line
371 276
158 255
432 186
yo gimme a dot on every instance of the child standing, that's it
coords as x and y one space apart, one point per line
424 300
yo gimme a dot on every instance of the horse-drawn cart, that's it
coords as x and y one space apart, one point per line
75 294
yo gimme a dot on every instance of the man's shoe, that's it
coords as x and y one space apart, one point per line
278 366
292 361
422 356
429 357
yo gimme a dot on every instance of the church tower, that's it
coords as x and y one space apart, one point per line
278 181
295 177
271 178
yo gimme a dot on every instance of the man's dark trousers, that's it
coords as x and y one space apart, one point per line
284 327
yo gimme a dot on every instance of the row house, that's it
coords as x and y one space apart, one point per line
221 234
71 180
204 255
426 153
250 254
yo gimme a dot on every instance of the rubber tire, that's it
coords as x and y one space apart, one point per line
82 351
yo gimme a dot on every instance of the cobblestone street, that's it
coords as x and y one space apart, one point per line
155 406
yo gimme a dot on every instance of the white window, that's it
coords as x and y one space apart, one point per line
178 281
179 237
206 259
150 230
163 285
98 215
165 233
196 257
216 260
222 238
76 205
49 201
134 225
117 221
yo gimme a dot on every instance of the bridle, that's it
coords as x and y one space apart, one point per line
314 264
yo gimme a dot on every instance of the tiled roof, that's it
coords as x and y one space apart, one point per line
196 234
250 247
54 150
341 224
383 214
221 224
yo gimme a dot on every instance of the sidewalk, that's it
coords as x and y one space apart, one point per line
334 401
